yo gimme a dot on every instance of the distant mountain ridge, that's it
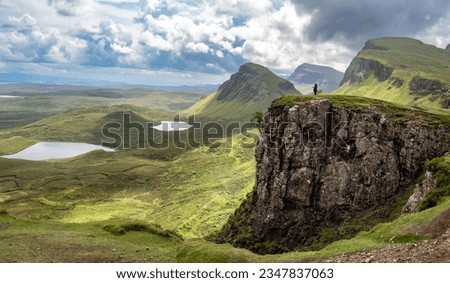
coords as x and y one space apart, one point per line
307 74
252 88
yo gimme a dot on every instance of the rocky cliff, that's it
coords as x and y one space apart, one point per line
323 165
360 69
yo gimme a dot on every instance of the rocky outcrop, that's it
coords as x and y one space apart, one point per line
320 166
420 191
360 69
397 82
446 103
371 45
422 86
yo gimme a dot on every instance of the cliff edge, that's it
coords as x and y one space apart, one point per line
327 167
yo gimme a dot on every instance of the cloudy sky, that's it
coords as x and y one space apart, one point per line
169 42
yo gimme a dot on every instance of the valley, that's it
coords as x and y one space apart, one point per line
237 196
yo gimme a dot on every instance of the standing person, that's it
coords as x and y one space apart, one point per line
315 89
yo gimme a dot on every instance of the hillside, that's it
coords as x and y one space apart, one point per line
251 89
400 70
306 75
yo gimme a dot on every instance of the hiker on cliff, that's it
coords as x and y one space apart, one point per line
315 89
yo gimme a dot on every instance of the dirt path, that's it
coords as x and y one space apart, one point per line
435 249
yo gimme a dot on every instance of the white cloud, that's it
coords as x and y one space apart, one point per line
437 34
24 21
207 35
198 47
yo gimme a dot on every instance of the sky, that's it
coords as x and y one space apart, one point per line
165 42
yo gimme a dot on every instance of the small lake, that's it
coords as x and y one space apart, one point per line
9 96
170 126
55 150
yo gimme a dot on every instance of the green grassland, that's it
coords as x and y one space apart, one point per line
178 194
32 107
51 241
409 58
83 124
150 205
397 112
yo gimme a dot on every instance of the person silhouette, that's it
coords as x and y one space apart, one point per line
315 88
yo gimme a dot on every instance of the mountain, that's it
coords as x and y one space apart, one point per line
352 173
306 75
401 70
251 89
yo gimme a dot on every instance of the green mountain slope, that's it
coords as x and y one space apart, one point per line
400 70
251 89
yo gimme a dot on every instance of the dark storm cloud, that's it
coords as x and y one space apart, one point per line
355 21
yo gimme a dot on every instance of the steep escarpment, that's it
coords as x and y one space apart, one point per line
324 166
360 69
400 70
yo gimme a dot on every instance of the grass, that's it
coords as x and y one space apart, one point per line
147 205
409 58
81 125
35 106
101 195
48 241
399 231
176 193
14 144
125 207
398 113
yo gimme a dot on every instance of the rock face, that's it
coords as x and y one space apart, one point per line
420 85
446 103
419 193
306 74
319 166
360 69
